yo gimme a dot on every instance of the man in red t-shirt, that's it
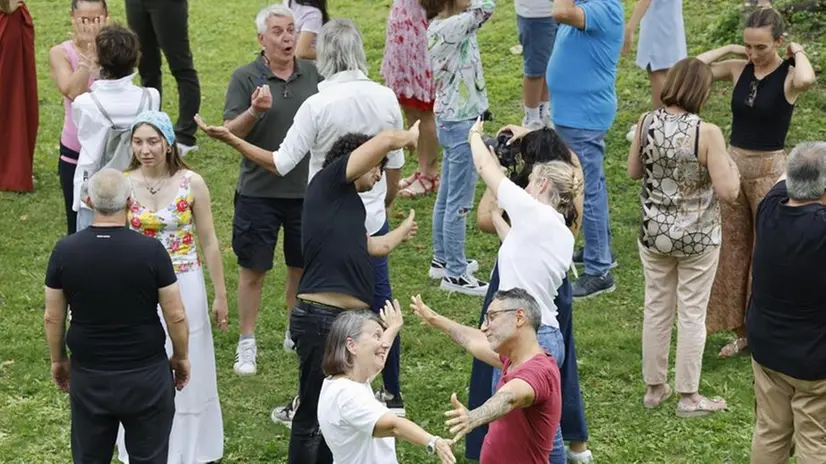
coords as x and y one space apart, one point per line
524 412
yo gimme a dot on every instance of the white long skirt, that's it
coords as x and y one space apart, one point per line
198 430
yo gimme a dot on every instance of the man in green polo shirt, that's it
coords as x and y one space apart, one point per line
261 103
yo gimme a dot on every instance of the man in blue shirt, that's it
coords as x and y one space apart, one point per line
580 76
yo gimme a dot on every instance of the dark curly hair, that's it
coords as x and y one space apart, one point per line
432 8
346 145
118 50
320 5
540 146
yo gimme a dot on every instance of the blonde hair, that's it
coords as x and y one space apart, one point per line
565 185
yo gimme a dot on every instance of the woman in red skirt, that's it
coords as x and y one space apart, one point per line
406 70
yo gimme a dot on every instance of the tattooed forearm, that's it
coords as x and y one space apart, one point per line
497 406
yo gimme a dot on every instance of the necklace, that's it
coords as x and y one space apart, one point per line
157 187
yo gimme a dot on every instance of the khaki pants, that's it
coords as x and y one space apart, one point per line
788 408
683 284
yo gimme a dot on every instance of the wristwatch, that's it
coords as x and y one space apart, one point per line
431 445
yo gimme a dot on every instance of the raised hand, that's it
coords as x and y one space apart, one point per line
478 127
391 314
793 48
422 310
84 32
410 226
261 100
216 132
459 423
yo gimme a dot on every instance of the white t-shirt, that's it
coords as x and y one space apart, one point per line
307 18
533 8
537 252
346 102
347 415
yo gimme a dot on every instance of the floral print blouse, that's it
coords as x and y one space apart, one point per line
172 225
457 64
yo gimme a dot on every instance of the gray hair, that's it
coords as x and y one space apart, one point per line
806 171
109 191
520 298
349 324
340 48
268 12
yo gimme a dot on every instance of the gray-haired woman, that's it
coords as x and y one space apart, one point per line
358 428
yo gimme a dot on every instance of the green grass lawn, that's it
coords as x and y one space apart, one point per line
34 415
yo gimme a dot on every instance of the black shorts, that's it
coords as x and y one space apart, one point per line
255 231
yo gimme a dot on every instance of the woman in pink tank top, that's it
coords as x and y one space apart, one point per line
74 69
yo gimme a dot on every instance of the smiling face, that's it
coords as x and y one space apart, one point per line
149 147
761 47
369 350
500 325
278 40
88 11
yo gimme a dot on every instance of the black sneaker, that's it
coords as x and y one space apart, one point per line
394 403
580 253
589 285
437 268
466 284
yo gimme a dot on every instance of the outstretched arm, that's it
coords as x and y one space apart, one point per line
515 394
257 155
383 245
469 338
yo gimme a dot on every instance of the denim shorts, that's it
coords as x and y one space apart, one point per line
537 37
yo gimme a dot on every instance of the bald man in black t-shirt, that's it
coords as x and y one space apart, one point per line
114 279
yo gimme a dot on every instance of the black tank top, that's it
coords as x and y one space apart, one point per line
760 112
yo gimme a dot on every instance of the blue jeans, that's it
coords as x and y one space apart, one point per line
550 338
381 293
455 198
589 146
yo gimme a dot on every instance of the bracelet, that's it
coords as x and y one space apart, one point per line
800 51
253 113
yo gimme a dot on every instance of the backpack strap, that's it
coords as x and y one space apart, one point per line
100 108
144 99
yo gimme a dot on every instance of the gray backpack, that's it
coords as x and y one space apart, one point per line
117 153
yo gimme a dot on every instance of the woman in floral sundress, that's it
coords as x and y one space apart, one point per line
406 70
172 204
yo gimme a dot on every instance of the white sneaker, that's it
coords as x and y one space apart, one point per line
631 133
437 268
184 149
245 356
289 345
584 457
285 414
466 284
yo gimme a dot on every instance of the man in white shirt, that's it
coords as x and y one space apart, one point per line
537 31
347 102
118 49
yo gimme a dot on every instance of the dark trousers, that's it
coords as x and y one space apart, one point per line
66 173
162 25
310 324
382 292
574 427
143 400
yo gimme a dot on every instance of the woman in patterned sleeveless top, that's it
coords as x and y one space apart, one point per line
172 203
766 87
685 169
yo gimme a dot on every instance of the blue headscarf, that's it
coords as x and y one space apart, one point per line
159 120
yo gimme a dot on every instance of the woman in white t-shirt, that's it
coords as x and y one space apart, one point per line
357 428
309 15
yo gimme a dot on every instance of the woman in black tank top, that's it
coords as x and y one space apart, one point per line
766 87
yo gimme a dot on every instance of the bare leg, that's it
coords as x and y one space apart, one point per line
250 283
428 147
533 91
657 79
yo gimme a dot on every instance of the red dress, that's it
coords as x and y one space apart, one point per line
18 101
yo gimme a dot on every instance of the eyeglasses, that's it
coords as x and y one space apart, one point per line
752 96
489 319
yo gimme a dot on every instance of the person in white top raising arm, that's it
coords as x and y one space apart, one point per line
356 426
